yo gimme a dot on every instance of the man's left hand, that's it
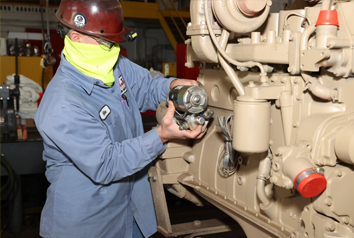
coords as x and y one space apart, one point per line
186 82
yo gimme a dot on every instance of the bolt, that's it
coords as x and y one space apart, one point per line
291 70
345 220
196 99
152 178
338 173
189 23
197 223
296 81
296 124
1 98
276 167
8 98
239 180
279 152
328 201
298 98
251 84
330 226
283 80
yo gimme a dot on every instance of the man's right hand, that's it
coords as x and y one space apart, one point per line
170 130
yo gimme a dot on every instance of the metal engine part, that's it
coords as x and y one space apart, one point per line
190 103
285 82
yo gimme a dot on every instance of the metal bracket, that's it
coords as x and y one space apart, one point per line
198 227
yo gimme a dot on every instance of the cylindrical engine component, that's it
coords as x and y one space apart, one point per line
309 183
237 17
323 33
251 7
251 130
344 144
192 99
308 180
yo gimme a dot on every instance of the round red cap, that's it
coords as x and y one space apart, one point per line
312 185
328 17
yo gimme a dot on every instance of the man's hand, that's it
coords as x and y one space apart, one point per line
185 82
169 129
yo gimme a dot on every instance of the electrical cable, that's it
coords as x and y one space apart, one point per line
226 161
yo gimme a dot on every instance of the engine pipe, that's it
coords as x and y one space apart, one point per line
223 53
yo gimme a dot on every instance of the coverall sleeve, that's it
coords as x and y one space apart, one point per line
148 91
84 141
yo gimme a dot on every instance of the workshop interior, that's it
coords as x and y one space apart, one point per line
275 98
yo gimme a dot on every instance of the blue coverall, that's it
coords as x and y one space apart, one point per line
96 152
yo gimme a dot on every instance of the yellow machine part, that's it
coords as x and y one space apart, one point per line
27 66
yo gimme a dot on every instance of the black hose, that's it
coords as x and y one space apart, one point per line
11 188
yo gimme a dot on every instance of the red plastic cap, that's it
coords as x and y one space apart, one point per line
312 185
328 17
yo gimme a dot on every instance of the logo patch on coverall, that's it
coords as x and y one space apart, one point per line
123 88
105 111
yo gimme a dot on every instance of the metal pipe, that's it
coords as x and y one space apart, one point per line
318 89
305 36
263 174
326 4
223 53
228 69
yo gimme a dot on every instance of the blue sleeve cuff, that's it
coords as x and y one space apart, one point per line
152 143
166 87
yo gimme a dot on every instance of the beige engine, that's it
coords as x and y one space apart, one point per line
278 154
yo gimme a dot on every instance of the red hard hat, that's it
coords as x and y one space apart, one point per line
100 18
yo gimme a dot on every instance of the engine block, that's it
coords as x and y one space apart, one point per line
285 81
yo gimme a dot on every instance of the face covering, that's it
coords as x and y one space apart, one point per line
96 61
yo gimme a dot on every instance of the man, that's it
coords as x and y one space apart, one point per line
95 149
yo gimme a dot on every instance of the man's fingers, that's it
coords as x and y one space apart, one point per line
193 134
170 110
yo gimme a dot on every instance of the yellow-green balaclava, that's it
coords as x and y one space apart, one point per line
92 60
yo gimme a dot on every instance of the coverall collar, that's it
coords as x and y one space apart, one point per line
86 82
